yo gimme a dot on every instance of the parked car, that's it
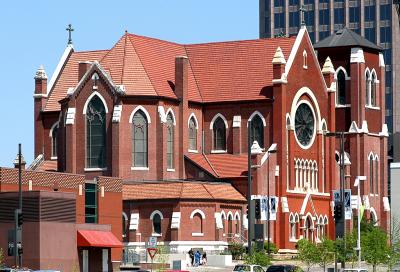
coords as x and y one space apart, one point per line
284 268
355 270
248 268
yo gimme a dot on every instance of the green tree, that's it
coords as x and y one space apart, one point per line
345 248
326 252
308 253
374 247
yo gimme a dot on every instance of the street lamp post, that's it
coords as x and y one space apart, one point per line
342 225
358 185
249 211
270 151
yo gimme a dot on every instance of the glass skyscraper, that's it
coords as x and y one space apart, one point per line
376 20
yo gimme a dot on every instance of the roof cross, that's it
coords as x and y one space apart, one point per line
302 11
69 29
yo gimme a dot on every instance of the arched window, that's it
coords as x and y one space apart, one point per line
223 222
139 145
293 227
373 90
308 229
367 88
197 223
341 88
192 134
157 223
230 225
371 174
170 141
257 130
376 176
54 131
95 134
219 133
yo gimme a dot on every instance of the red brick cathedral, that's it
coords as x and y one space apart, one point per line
172 122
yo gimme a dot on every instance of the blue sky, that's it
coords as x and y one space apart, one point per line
33 33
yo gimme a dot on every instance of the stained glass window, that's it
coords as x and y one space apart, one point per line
95 134
192 134
139 145
170 141
257 130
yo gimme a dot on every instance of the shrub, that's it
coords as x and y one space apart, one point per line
258 258
237 250
272 247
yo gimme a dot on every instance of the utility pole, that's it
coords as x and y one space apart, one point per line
250 219
18 216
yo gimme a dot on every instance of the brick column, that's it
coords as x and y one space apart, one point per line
40 99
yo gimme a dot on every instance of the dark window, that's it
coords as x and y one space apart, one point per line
367 88
170 141
370 34
95 134
293 2
157 223
312 36
386 11
386 35
279 3
219 131
124 225
257 130
369 13
339 16
373 90
354 14
309 17
371 175
139 132
323 34
90 203
54 141
279 20
341 88
324 17
294 19
192 134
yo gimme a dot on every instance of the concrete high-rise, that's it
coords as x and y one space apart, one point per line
376 20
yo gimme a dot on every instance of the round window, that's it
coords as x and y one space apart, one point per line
304 124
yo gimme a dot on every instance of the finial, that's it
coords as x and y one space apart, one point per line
41 73
302 11
279 58
255 148
328 67
69 29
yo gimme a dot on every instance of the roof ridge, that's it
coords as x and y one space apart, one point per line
152 38
204 186
212 167
141 62
100 61
194 76
123 61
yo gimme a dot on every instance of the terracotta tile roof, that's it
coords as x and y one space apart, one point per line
237 70
181 190
69 77
221 71
221 165
47 166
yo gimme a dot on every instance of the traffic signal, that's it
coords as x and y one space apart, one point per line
257 208
20 219
20 251
247 211
338 211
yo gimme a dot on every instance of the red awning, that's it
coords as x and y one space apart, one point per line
95 238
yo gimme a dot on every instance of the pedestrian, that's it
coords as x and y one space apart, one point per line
191 255
197 257
204 259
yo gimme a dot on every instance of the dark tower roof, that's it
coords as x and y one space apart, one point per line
346 38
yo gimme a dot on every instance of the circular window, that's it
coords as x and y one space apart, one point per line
304 125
